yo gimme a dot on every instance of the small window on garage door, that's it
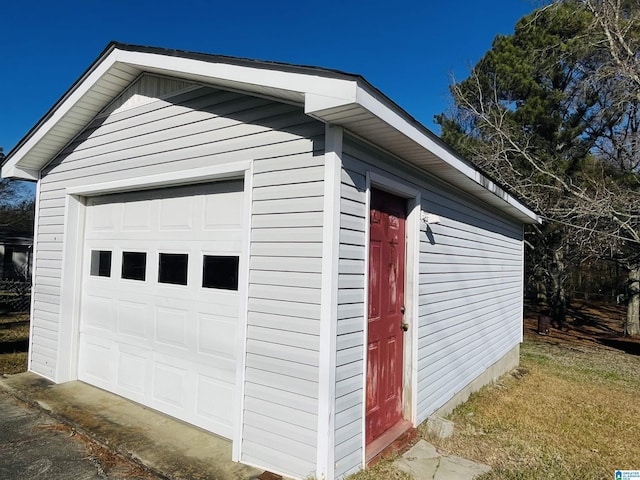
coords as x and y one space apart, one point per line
219 271
134 265
172 268
100 263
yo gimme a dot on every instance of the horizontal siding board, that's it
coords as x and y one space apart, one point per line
304 404
283 413
286 220
350 295
293 176
283 337
350 385
349 355
349 464
291 264
283 352
285 293
348 416
296 190
285 323
306 204
286 430
348 432
168 136
282 366
351 310
351 237
352 325
299 279
282 382
269 457
351 266
348 281
301 310
350 222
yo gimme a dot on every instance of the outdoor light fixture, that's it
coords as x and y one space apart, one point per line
429 218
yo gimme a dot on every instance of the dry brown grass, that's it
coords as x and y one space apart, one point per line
12 363
14 333
568 412
384 469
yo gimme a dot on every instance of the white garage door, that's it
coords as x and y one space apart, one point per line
160 299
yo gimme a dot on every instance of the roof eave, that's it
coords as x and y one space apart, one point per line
328 95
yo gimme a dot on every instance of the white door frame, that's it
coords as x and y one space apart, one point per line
412 257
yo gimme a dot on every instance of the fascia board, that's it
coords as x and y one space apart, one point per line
303 83
12 164
13 171
335 90
395 120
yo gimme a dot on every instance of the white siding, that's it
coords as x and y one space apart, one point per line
470 291
351 311
281 387
200 128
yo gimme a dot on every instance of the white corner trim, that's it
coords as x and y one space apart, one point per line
329 302
32 305
204 174
70 290
241 340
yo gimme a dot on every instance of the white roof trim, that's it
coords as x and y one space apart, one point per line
324 93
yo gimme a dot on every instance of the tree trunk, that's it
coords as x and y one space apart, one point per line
556 293
632 324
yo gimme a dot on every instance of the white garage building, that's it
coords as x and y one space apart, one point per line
275 253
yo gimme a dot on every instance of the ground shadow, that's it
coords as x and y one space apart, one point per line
17 346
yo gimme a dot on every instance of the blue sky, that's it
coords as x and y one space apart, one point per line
407 49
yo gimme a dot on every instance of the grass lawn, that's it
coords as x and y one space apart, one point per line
571 410
14 332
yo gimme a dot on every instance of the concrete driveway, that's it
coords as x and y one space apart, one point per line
35 446
168 448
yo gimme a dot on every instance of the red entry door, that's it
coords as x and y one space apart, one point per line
386 304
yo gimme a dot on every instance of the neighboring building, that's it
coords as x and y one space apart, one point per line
15 255
278 254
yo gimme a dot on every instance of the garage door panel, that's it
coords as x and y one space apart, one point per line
133 319
100 313
171 326
133 369
222 211
170 384
97 360
105 218
137 217
170 346
217 415
217 335
176 213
